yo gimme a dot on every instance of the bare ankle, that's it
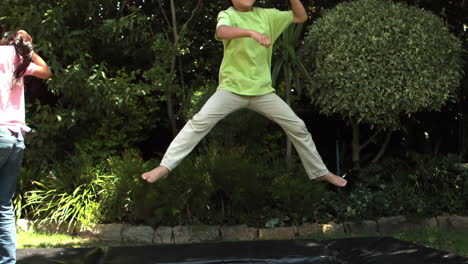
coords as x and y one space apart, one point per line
164 171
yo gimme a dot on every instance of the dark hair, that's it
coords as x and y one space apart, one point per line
23 49
2 32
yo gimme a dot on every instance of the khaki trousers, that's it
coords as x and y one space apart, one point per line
222 103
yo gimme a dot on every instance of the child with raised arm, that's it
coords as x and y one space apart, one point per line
17 59
247 33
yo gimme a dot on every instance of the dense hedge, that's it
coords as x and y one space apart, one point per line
228 187
375 60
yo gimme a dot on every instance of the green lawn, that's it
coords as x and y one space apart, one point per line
41 240
447 240
452 241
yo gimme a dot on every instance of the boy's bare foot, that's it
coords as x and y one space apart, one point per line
333 179
155 174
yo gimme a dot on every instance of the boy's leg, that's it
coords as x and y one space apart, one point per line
274 108
11 154
220 104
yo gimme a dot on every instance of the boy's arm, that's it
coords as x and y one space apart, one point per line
300 14
228 33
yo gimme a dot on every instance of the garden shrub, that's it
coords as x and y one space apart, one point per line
182 198
414 184
251 133
237 181
100 116
69 193
126 198
125 113
119 192
373 61
298 197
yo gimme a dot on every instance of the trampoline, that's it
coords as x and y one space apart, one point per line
340 251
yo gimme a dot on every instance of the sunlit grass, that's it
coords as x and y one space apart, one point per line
42 240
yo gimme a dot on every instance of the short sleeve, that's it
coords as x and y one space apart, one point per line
279 21
31 69
223 20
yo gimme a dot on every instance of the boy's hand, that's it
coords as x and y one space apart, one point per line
262 39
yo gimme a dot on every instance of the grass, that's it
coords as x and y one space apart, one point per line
452 241
42 240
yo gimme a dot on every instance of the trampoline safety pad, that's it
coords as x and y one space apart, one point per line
340 251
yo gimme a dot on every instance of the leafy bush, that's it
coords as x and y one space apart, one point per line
69 194
427 175
375 60
416 184
227 186
119 192
125 112
237 181
180 199
109 118
298 197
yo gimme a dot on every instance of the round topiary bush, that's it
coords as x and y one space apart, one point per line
374 60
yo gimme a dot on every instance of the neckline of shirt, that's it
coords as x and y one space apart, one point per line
254 10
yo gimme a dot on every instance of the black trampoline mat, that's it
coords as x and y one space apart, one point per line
340 251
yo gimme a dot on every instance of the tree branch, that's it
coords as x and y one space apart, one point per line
370 140
383 148
199 4
164 14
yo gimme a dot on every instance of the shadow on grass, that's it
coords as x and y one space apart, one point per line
62 256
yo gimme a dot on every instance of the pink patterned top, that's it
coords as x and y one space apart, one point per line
12 109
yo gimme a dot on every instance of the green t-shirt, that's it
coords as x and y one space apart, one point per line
246 65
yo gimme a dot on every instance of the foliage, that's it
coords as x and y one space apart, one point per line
119 199
181 198
236 180
287 60
405 186
97 102
302 200
24 184
122 120
69 194
257 135
374 60
288 64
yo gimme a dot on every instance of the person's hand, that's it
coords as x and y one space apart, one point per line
25 35
262 39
